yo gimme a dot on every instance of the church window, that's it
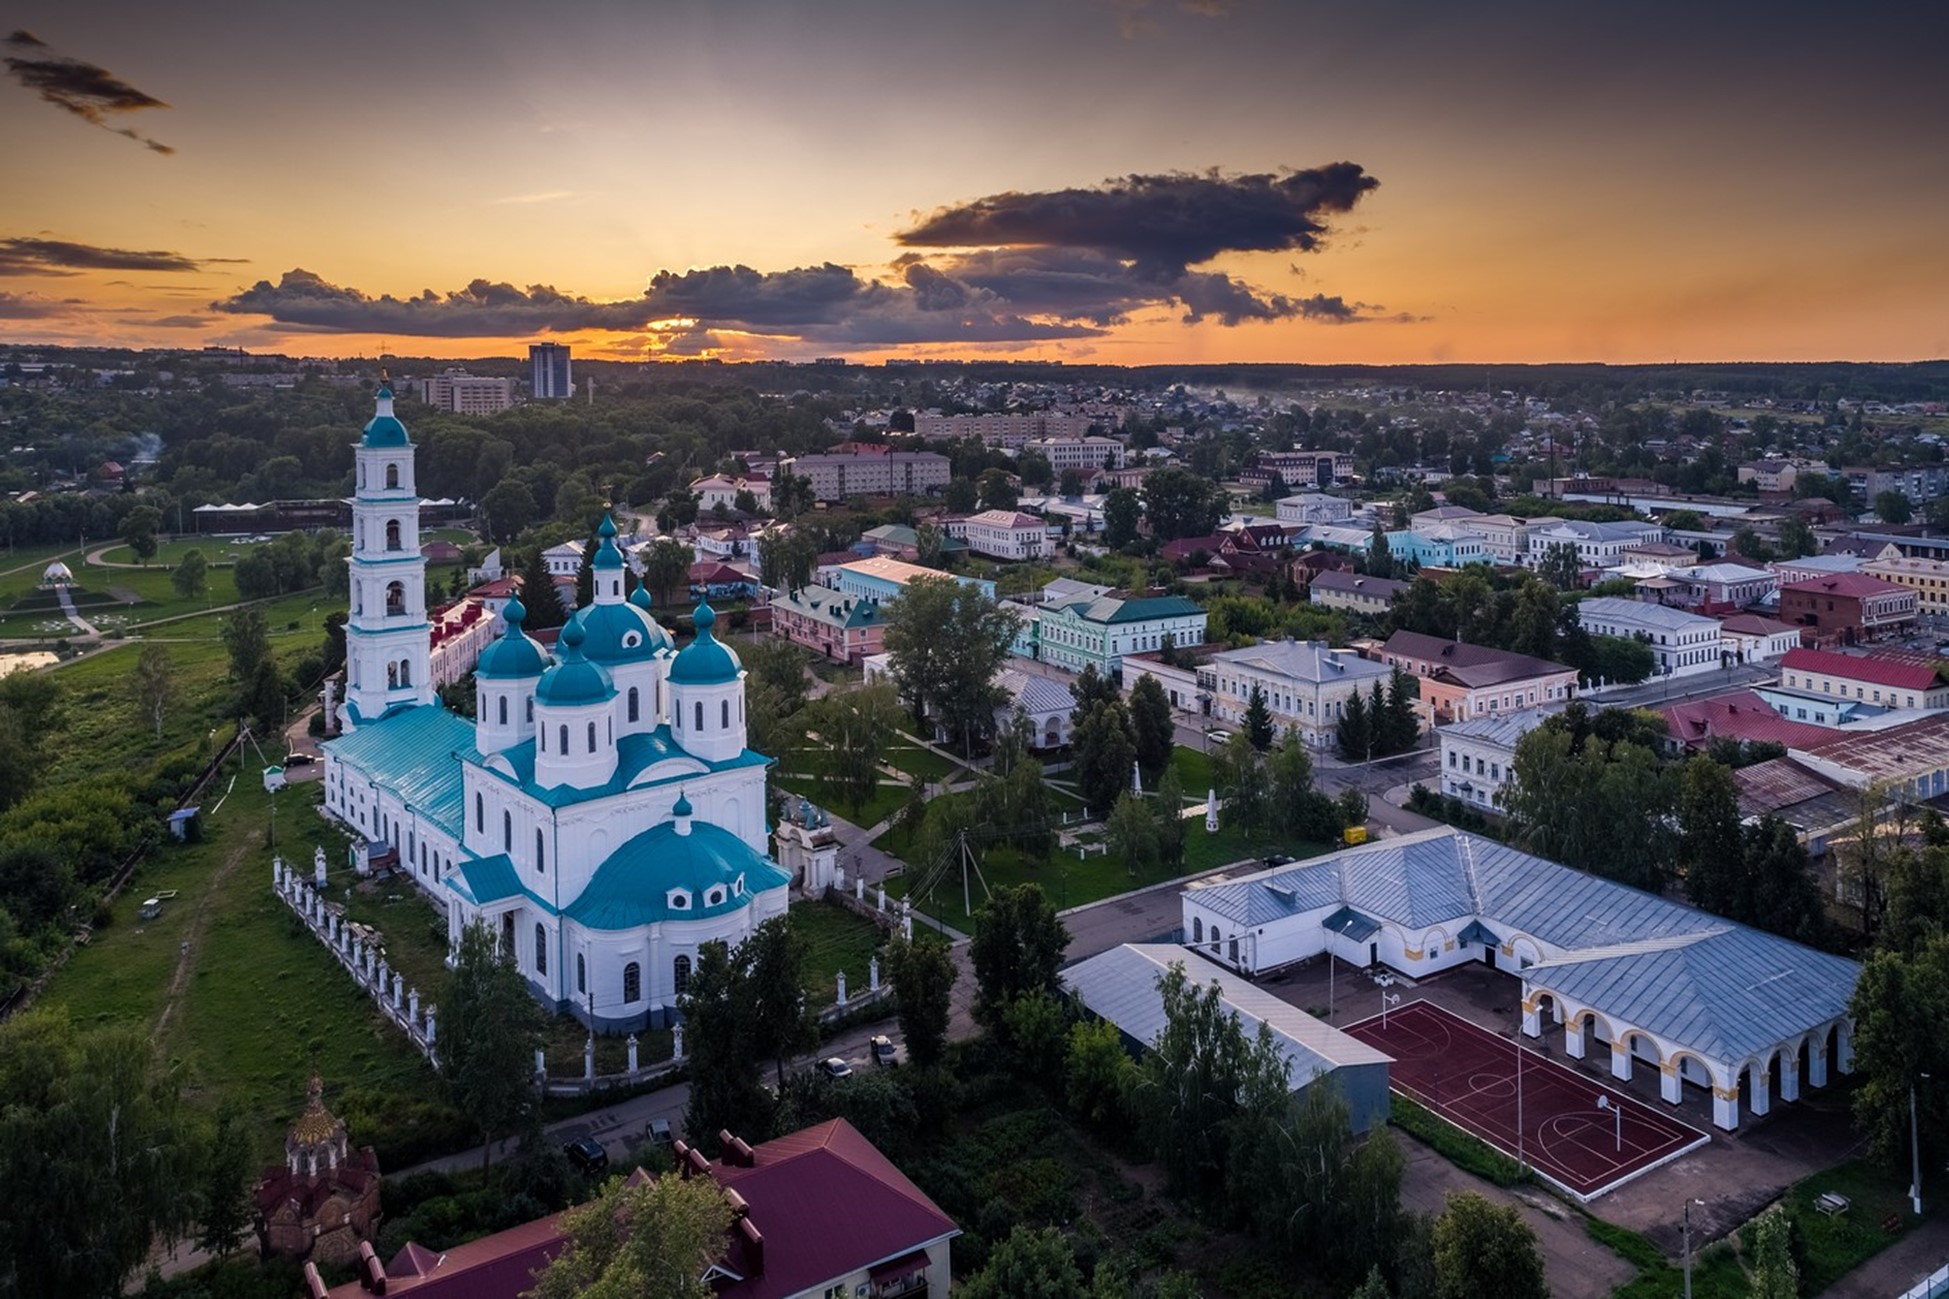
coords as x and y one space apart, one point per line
700 715
503 711
1232 949
541 861
395 599
392 475
392 676
507 832
724 715
531 710
592 736
562 735
1197 929
714 898
581 973
405 672
632 982
541 950
392 534
635 700
680 973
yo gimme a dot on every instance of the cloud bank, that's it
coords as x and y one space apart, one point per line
28 255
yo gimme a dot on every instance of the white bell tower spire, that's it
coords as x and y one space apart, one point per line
388 640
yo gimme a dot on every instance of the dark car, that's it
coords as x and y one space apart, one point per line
587 1154
300 760
659 1132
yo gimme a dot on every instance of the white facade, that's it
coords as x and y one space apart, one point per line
1314 507
387 636
467 394
1306 684
1598 545
1003 534
1085 453
1749 638
1680 642
1478 757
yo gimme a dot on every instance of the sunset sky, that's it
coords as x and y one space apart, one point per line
1131 181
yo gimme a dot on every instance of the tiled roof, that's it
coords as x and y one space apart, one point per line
1752 624
411 752
1856 667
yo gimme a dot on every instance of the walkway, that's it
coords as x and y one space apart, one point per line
81 624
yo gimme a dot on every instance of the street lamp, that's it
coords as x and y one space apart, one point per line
1688 1244
1915 1151
1384 982
1606 1103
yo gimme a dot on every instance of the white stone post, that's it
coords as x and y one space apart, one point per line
399 988
859 888
1725 1107
318 865
541 1066
1670 1085
632 1053
873 975
677 1042
1790 1076
839 878
429 1025
1762 1095
589 1060
842 987
882 904
1817 1063
385 977
413 1005
1573 1039
277 874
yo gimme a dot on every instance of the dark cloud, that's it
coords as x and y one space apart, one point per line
89 91
179 322
1164 223
483 309
31 256
27 306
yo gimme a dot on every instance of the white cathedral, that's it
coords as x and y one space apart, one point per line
603 816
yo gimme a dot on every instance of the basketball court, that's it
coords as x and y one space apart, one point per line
1485 1085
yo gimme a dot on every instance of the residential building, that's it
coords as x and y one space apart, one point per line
818 1214
1120 986
882 579
1718 589
1003 534
1089 454
549 367
1099 632
1012 431
1808 567
1928 578
1920 483
1597 545
1299 469
1866 678
831 623
839 477
1908 761
1314 507
1739 1015
1770 475
1440 545
1306 685
723 489
1751 638
1848 608
467 394
1505 537
1352 592
1680 642
1741 715
1478 757
1459 681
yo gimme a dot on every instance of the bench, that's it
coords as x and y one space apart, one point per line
1831 1204
1892 1223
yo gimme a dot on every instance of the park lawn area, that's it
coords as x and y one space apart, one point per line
840 940
1838 1243
906 754
1194 771
887 798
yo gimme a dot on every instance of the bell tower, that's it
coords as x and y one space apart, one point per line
388 640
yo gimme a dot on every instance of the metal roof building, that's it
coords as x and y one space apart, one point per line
1735 1009
1121 985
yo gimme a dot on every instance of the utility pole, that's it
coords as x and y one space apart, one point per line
1688 1245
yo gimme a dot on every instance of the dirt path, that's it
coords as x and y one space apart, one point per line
193 936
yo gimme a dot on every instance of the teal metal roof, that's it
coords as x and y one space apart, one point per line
574 680
607 556
633 886
704 662
412 752
516 655
484 881
635 753
618 633
1110 609
640 597
1349 923
384 429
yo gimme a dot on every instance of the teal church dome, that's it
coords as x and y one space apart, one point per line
619 633
517 655
704 662
574 681
384 429
607 555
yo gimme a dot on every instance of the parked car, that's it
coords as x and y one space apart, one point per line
587 1154
659 1132
301 760
883 1051
834 1067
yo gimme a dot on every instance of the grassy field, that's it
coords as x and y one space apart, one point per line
840 940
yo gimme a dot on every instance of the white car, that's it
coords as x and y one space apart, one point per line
834 1067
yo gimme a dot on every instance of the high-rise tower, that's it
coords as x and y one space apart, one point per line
388 641
550 365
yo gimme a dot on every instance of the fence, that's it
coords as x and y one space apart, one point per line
1934 1284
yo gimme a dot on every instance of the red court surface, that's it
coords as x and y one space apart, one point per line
1467 1075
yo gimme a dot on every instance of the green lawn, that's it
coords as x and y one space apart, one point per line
1838 1243
840 940
1194 770
887 799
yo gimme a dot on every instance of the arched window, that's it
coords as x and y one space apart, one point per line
1197 929
392 676
541 859
725 711
1231 949
634 701
392 534
700 715
541 739
562 735
1215 938
681 973
507 832
405 672
392 475
581 973
502 701
395 599
480 814
541 950
632 982
592 736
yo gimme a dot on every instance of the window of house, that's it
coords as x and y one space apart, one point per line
502 712
699 719
562 735
680 973
726 711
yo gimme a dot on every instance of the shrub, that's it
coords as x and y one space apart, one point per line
1466 1152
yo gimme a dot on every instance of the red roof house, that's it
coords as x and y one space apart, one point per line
1737 715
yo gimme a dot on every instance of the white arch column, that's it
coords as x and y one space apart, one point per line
1790 1072
1762 1075
1817 1060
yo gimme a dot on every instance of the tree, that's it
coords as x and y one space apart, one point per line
1105 753
1380 554
658 1237
1072 483
1711 849
1775 1275
1096 1072
929 542
1189 1081
946 640
1561 568
1900 1001
1033 468
1170 819
1257 722
1893 507
1797 539
791 496
1398 722
1091 688
960 495
489 1029
1354 732
93 1152
1244 781
997 490
263 696
1482 1248
1153 727
923 976
666 568
855 726
1180 503
226 1209
247 636
538 595
191 575
1132 832
1029 1264
507 509
724 1088
153 684
139 527
786 560
1017 948
771 967
1123 511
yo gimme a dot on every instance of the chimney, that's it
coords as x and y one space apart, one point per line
680 1151
754 1245
371 1275
697 1163
739 1209
315 1287
736 1152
